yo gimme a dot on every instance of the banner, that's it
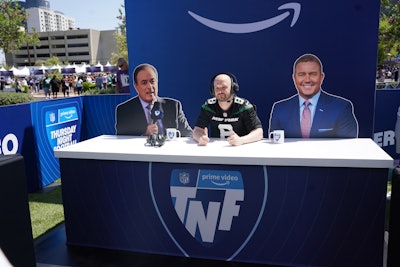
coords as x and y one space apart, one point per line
386 109
56 124
17 137
190 41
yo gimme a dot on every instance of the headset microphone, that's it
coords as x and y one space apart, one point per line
156 112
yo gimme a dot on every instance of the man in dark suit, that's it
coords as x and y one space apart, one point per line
147 113
330 116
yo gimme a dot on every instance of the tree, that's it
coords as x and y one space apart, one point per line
13 34
31 39
12 18
53 61
389 30
122 18
120 38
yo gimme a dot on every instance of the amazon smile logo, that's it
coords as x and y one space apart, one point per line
252 26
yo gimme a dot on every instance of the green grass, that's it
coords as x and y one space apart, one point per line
46 210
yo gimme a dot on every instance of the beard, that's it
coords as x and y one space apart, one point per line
224 97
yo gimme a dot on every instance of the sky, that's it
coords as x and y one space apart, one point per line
90 14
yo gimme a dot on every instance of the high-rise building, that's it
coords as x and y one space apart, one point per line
44 19
37 3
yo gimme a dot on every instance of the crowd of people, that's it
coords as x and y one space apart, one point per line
385 73
52 84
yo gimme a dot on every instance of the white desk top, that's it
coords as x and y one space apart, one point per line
357 152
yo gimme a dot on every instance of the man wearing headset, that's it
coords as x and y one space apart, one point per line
227 115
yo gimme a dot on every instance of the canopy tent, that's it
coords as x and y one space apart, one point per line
6 73
110 68
24 72
43 67
38 71
68 70
99 65
80 69
55 67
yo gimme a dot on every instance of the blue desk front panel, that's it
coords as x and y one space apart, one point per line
294 216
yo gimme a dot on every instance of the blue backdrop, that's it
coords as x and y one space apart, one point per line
187 53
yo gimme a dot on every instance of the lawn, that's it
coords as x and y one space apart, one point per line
46 209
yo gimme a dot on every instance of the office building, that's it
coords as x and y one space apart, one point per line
73 46
44 19
37 3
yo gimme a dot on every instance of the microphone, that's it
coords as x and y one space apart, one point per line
156 112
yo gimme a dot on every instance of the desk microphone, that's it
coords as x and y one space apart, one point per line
156 112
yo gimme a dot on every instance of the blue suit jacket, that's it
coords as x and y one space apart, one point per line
334 117
131 120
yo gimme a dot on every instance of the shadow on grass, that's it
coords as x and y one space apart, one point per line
46 210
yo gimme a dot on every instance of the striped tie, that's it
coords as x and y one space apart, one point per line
306 120
148 114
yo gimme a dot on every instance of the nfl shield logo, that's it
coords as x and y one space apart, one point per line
214 215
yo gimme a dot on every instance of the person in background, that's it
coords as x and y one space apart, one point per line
17 85
79 85
55 84
105 80
327 115
147 113
65 85
2 83
228 115
71 83
122 79
46 85
99 81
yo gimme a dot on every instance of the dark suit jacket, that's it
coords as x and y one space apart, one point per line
131 120
334 117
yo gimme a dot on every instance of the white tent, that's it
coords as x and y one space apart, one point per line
43 67
80 69
24 72
56 67
99 65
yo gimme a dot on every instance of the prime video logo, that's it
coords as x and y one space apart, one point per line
251 26
207 203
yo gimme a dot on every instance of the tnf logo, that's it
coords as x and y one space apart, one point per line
207 201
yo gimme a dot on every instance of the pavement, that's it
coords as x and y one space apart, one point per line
40 95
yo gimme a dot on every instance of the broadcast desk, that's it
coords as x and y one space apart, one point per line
311 202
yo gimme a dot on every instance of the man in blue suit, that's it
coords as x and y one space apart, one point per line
331 116
147 113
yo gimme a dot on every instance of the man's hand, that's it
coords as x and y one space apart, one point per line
234 139
201 136
151 129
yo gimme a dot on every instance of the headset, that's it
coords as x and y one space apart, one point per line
234 83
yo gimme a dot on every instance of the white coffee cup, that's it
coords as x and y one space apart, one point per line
278 136
172 133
